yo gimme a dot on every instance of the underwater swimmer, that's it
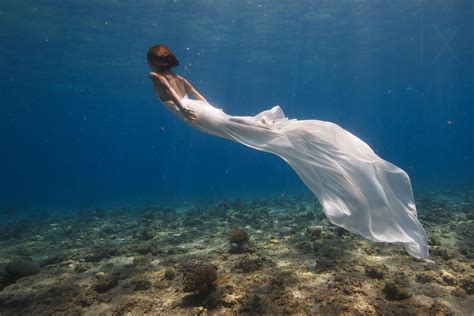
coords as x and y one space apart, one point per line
358 190
174 89
168 85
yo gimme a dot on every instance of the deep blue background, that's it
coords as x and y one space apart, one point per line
81 126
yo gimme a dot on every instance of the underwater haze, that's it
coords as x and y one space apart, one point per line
82 126
111 205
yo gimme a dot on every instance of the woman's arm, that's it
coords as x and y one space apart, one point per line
160 81
192 91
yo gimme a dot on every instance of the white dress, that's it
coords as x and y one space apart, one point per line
357 189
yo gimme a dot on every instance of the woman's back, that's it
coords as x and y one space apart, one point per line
175 81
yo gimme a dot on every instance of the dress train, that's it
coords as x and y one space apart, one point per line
357 189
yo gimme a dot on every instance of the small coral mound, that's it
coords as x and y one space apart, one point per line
239 241
200 278
238 236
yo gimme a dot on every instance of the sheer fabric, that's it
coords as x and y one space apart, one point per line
357 189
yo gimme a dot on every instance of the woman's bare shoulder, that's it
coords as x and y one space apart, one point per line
154 75
158 78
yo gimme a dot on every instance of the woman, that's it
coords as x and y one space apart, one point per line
357 189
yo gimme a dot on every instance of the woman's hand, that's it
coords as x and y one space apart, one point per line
190 114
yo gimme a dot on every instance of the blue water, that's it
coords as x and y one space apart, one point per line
81 126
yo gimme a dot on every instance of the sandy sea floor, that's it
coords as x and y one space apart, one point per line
180 260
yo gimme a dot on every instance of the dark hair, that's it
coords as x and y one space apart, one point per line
162 57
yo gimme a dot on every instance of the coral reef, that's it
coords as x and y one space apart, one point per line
284 258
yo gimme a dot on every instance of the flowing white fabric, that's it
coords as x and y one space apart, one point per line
357 189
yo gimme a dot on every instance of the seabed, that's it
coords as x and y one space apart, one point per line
284 258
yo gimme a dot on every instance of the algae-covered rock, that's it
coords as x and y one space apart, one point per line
17 269
447 277
100 253
21 268
438 308
467 283
52 260
141 284
314 232
249 263
375 272
169 274
394 292
445 253
145 234
425 277
106 283
146 248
